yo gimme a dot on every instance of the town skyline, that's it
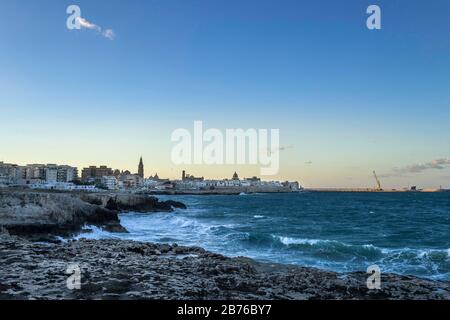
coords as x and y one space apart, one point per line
100 178
152 172
140 169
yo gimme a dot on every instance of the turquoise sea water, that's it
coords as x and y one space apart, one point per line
405 233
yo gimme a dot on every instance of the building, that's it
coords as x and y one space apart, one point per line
10 173
60 173
155 177
188 177
253 180
154 182
36 173
130 181
294 186
67 174
163 186
51 173
110 182
7 172
234 185
95 174
141 168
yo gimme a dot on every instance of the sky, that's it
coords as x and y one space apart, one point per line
347 100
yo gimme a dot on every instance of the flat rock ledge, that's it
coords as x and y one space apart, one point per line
118 269
130 202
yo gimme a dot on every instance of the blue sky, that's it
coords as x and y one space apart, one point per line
347 99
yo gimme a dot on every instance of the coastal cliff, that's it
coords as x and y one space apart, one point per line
43 215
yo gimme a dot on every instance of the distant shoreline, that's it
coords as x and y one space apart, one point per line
324 190
373 190
213 193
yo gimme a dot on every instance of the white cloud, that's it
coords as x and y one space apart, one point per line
88 25
438 164
108 33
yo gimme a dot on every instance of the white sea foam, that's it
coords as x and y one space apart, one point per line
63 240
94 233
422 253
320 242
290 241
257 216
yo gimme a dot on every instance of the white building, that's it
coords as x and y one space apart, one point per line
130 181
33 174
67 173
51 173
7 173
55 173
110 182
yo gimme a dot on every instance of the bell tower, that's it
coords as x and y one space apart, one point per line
141 168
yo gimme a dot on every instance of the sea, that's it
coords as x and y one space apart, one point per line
403 233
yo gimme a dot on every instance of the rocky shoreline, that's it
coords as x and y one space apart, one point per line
33 262
118 269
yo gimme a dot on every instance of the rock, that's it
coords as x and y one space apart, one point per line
47 214
176 204
164 248
4 232
131 202
42 215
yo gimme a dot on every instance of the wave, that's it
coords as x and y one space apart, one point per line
331 249
290 241
426 261
419 253
95 233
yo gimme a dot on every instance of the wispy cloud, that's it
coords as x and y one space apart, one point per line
279 149
438 164
88 25
108 33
